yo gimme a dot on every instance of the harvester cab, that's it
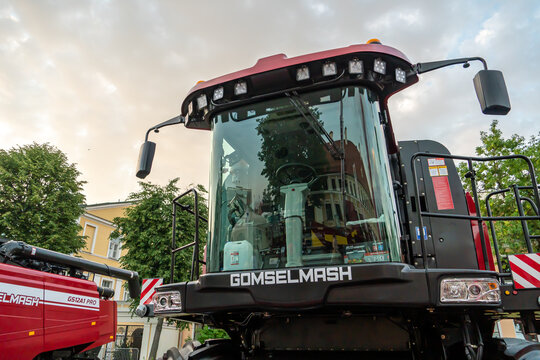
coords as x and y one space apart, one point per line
326 236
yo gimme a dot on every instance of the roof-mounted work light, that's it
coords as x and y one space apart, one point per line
202 102
401 76
218 93
329 69
302 73
356 66
379 66
240 88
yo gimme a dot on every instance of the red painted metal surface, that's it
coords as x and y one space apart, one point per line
477 240
525 270
149 289
281 61
41 312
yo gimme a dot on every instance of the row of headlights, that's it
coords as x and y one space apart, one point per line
329 68
453 290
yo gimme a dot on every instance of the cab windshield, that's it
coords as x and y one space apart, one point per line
301 180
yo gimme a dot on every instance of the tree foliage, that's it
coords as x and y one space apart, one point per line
207 333
503 174
146 231
40 198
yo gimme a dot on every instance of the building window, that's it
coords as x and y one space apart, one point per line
126 295
106 283
115 246
329 214
89 232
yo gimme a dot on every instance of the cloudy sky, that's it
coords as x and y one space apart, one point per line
90 77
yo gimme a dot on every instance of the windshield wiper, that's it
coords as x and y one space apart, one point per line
321 132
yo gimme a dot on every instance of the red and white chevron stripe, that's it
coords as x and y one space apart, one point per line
149 289
525 270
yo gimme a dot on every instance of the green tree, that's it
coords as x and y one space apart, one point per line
146 232
40 198
503 174
207 333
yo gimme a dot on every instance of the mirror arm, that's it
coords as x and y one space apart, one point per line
175 120
434 65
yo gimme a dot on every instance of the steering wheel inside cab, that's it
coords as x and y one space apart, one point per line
295 173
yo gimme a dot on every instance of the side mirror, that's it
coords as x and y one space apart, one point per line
146 156
491 92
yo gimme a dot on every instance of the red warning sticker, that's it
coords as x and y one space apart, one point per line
443 195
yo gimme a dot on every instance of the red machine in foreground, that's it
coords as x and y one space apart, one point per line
48 315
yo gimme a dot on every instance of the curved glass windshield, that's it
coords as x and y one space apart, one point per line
301 180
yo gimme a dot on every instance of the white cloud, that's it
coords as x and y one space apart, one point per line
410 17
105 84
8 13
320 8
6 128
490 30
484 36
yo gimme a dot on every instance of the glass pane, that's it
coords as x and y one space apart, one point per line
300 181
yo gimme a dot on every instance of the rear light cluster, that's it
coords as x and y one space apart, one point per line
386 73
167 302
470 290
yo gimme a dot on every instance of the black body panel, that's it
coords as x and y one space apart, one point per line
521 300
370 285
386 285
449 242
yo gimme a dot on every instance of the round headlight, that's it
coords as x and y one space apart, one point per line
475 290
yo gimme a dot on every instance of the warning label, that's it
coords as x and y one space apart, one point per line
443 171
438 171
436 162
443 195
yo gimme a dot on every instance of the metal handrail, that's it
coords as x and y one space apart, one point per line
195 261
523 219
479 217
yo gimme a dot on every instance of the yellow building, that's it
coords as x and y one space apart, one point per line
134 335
97 226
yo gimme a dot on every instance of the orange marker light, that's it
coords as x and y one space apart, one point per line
31 333
93 323
507 292
200 81
492 286
111 337
373 41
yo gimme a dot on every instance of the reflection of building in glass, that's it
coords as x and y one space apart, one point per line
343 205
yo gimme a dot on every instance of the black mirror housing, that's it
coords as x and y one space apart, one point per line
146 156
491 92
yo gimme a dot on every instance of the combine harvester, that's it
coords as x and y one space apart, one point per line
330 239
49 310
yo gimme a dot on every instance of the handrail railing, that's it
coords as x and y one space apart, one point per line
519 199
481 219
195 261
